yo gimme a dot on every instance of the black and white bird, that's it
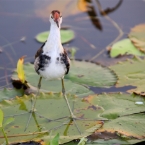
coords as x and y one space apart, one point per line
51 60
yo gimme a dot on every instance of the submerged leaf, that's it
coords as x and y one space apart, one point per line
131 72
66 36
20 70
123 47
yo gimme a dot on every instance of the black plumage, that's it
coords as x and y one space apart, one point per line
41 60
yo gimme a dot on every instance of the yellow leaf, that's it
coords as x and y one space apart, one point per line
20 70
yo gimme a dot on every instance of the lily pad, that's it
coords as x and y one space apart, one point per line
125 117
90 74
125 124
50 86
113 142
10 93
137 36
131 72
110 142
131 126
123 47
66 36
51 115
79 76
117 105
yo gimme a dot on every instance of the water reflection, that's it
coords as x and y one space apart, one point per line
108 10
91 11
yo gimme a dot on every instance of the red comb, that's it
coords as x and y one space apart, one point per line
56 15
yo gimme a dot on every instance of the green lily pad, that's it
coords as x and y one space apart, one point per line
131 72
66 36
117 105
113 141
110 142
90 74
81 74
137 36
126 120
123 47
125 116
50 86
10 93
131 126
51 115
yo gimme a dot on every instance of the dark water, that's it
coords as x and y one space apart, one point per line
27 18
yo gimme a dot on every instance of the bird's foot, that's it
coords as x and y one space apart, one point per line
33 110
74 118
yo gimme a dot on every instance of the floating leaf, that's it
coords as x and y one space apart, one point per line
79 75
126 123
117 104
131 72
124 115
113 142
90 74
10 93
123 47
47 86
131 126
52 115
66 36
1 118
20 70
137 36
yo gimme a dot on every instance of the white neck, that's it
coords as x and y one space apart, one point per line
54 39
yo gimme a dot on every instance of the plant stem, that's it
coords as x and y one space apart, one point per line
5 136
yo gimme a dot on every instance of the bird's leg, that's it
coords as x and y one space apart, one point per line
39 86
33 104
73 117
65 97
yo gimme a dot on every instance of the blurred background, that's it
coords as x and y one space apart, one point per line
96 25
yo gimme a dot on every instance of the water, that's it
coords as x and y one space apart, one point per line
28 18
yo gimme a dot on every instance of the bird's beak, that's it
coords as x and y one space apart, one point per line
56 18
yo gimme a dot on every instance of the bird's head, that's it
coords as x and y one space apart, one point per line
55 18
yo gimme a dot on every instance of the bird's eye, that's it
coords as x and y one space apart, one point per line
51 17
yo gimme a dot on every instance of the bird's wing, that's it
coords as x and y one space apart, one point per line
37 58
39 51
66 61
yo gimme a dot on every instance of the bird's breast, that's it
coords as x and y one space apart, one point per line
52 66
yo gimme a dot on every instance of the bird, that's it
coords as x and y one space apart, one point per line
51 60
